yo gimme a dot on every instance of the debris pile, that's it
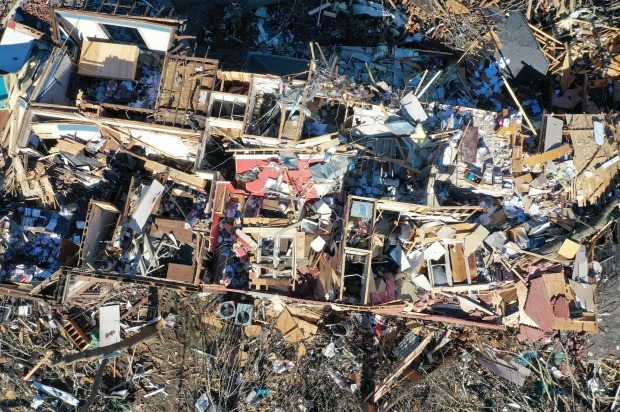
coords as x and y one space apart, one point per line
421 214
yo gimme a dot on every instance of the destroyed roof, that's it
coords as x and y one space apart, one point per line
392 209
120 8
518 52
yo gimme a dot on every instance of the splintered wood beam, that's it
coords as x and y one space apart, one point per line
528 14
516 101
542 33
472 44
383 388
36 367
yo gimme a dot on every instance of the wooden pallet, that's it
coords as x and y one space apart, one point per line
76 336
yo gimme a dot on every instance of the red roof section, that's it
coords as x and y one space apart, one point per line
299 180
560 307
529 333
538 305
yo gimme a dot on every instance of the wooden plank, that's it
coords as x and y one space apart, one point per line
319 8
176 175
575 325
265 221
457 260
516 101
48 354
460 288
258 282
519 181
545 35
456 7
549 155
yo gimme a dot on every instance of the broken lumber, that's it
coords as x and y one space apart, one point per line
402 365
549 155
514 98
36 367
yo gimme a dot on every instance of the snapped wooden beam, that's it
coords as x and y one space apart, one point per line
385 386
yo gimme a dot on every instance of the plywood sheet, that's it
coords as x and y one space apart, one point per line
289 328
555 284
575 325
108 60
569 249
592 180
180 273
520 181
457 260
163 226
474 240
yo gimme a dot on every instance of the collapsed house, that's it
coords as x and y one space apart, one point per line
371 181
299 152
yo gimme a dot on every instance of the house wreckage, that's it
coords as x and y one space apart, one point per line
373 180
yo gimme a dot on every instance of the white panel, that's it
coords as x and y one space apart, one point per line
156 36
85 27
225 123
14 50
109 325
168 145
145 206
